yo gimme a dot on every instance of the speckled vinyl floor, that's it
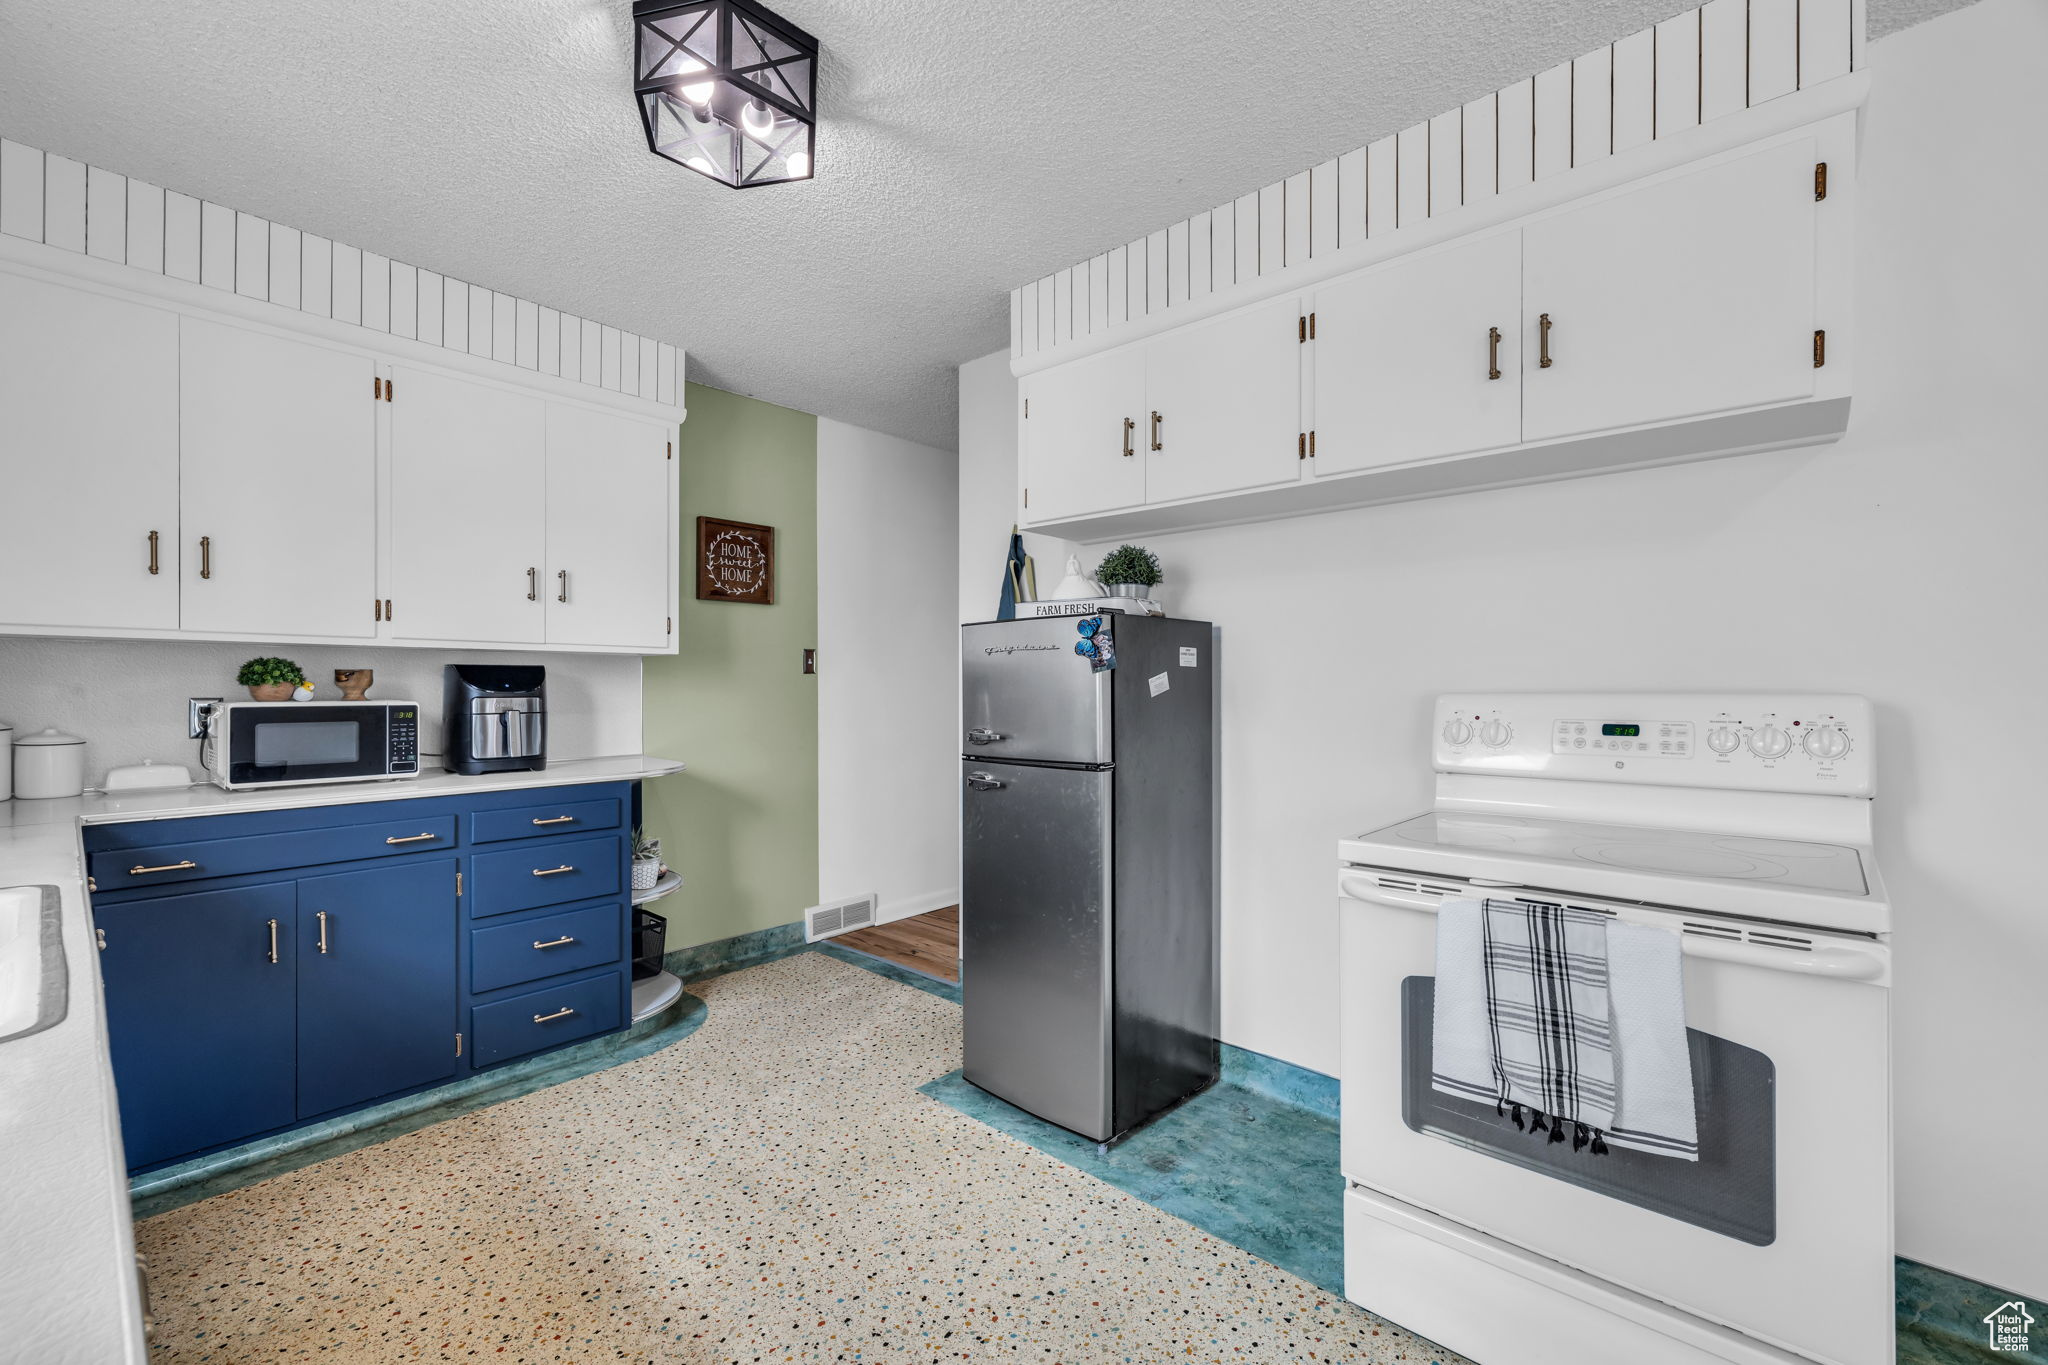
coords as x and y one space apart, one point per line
772 1188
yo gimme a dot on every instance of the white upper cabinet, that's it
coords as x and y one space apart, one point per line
1079 437
89 456
1418 359
278 498
1683 298
611 505
1223 404
468 510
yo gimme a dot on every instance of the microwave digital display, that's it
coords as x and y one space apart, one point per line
295 745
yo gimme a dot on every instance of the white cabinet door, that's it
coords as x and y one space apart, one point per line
1223 404
88 459
1683 298
1078 448
468 510
609 570
278 456
1417 360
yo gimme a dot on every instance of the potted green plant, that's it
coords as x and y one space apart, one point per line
271 679
1129 571
646 861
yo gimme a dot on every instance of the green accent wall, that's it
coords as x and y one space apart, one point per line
734 703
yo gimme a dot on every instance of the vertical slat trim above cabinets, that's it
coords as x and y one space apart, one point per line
1635 90
1223 246
1098 294
1177 266
316 275
376 292
549 354
252 256
1553 140
1514 143
63 202
504 328
348 284
1351 198
1724 58
1155 273
1677 91
1062 306
106 215
217 247
650 369
526 334
572 347
432 287
1593 107
21 191
286 259
1824 40
1295 205
1272 217
482 330
1245 232
145 227
1116 285
1479 162
405 300
608 373
454 314
1046 314
1322 209
1028 313
1016 322
1411 175
1773 49
1447 162
1382 186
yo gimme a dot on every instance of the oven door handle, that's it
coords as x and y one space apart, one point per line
1843 964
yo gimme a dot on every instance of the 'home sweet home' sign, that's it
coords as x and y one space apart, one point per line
735 561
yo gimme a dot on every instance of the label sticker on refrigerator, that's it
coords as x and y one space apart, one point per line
1187 656
1158 682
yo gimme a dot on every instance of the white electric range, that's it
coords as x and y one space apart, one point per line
1741 824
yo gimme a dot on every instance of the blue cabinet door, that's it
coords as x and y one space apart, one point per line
377 983
200 996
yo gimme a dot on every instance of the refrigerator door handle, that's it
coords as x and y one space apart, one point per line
982 735
983 782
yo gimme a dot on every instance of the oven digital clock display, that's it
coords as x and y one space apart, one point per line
1629 731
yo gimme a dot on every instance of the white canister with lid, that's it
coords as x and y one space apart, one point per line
48 764
6 760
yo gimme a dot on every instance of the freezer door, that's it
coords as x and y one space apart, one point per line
1035 940
1025 693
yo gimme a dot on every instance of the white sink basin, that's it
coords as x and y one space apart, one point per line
32 981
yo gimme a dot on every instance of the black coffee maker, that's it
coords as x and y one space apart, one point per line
494 718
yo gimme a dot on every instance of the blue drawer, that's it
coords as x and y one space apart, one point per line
553 872
506 954
547 1017
555 817
194 860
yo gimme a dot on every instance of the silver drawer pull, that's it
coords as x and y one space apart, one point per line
983 782
412 838
562 1013
982 735
557 820
273 943
552 871
555 942
167 867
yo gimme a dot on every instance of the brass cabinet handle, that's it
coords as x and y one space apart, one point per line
562 1013
273 943
206 556
1493 353
552 871
1129 427
557 820
555 942
153 565
1156 420
167 867
411 838
1543 341
532 585
322 917
563 575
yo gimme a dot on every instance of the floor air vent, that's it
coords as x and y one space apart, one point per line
823 921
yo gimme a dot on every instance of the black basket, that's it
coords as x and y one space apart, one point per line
650 938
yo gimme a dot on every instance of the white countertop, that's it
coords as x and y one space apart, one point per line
67 1283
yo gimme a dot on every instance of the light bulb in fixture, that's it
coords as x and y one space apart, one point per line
799 164
700 162
698 92
757 118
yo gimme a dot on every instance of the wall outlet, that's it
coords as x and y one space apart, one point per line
195 717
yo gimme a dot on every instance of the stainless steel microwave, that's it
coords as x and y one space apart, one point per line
290 743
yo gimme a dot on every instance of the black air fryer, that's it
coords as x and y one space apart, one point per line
494 718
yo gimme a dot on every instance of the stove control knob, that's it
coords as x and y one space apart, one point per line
1496 733
1769 742
1826 743
1724 739
1457 733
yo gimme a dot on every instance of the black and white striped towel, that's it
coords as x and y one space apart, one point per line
1566 1015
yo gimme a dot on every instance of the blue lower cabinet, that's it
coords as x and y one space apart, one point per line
265 992
202 1001
377 987
547 1016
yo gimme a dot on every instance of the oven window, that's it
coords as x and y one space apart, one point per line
296 744
1731 1189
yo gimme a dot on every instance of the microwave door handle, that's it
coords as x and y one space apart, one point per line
1841 963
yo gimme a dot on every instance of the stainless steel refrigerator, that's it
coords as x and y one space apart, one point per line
1088 880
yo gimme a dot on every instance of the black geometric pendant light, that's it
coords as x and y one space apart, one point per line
727 89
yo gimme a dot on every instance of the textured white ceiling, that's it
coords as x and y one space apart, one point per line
963 148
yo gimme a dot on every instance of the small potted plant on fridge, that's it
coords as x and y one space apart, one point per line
1129 571
271 679
646 861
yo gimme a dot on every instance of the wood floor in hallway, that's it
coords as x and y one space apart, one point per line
928 943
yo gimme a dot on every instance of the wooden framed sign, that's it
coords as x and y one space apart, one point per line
735 561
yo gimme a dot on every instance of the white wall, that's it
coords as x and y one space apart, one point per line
1906 563
127 697
888 821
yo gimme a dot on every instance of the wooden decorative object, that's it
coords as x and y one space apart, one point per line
735 561
354 682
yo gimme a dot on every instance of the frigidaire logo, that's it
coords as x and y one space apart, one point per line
1012 649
